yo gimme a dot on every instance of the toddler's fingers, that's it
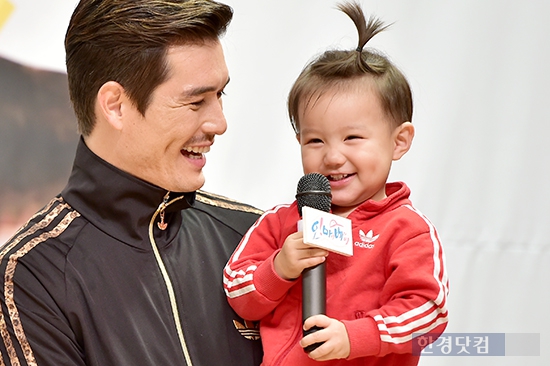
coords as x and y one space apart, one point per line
312 261
315 252
320 320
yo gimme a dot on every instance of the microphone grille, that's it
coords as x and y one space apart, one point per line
314 191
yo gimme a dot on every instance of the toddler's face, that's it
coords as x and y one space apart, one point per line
346 136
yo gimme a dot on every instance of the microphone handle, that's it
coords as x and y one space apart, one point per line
313 297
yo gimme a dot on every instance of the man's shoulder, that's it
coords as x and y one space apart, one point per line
217 201
235 214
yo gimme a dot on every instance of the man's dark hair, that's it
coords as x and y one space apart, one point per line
126 41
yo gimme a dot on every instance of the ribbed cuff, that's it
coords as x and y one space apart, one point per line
363 336
268 282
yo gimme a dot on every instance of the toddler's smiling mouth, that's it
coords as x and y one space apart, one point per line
337 177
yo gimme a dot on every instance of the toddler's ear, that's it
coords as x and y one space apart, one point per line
403 136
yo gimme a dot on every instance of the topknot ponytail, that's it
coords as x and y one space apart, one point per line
340 69
366 30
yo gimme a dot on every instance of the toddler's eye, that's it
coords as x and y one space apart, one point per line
353 137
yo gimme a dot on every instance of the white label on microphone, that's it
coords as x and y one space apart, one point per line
328 231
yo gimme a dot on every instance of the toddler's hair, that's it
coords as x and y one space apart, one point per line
359 68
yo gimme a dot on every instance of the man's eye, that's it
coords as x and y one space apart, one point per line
197 103
221 93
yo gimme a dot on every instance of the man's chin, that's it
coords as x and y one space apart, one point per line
188 185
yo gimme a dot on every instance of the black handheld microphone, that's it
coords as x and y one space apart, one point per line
313 191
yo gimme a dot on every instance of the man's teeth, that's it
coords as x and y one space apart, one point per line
197 150
337 176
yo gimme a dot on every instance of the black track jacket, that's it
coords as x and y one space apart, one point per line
92 279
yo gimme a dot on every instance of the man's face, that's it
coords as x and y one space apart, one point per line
166 146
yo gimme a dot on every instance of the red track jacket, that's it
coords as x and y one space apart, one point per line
393 287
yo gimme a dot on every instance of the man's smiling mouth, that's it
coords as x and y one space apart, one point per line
195 152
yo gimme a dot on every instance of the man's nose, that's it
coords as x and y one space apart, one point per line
216 123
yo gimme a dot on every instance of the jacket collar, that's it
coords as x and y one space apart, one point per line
119 204
397 195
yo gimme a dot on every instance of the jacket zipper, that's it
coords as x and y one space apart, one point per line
171 294
284 354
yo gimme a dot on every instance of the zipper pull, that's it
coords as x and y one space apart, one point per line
162 225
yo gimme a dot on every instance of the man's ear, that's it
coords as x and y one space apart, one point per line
403 136
109 103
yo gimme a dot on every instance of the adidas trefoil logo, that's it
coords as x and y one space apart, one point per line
368 237
367 240
250 330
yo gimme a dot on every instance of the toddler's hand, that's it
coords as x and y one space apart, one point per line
334 335
295 256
